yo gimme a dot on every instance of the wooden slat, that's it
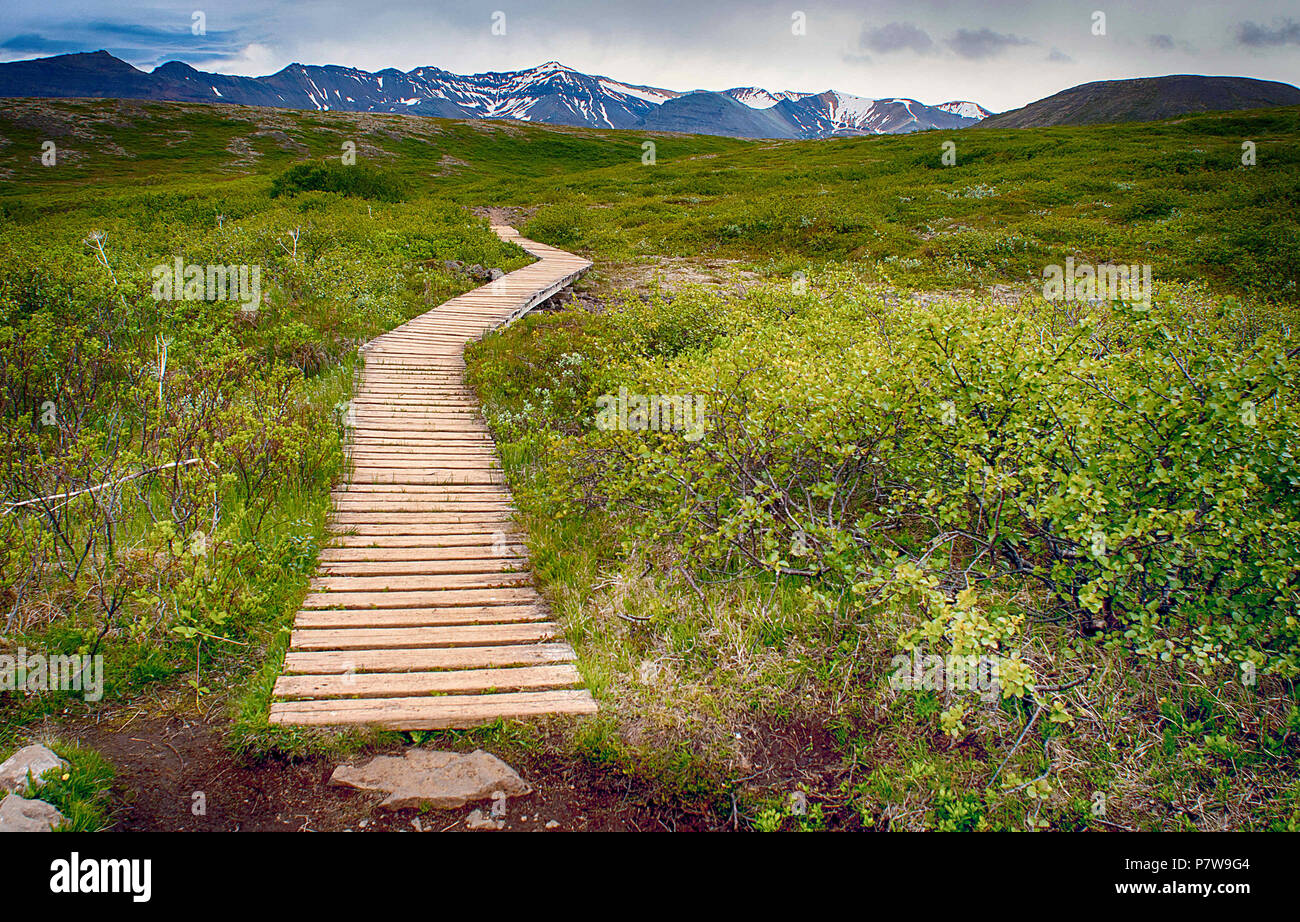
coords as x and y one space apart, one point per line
421 598
433 582
340 661
459 539
490 530
437 713
421 638
397 684
463 566
419 617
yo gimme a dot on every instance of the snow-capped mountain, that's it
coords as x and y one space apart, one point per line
758 98
831 114
550 93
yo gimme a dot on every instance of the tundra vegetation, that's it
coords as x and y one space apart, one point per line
910 458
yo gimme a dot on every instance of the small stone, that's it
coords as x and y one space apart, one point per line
495 274
18 814
443 780
552 824
477 821
36 760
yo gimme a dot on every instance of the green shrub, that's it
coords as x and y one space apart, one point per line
1131 464
357 180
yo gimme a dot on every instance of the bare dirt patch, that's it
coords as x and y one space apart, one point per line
162 762
165 752
246 156
447 165
281 138
515 216
669 273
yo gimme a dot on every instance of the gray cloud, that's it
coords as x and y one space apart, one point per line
1283 32
141 44
897 36
1160 42
32 43
983 43
1057 56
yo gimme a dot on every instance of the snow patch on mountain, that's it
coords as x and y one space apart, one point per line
648 93
965 109
758 98
848 111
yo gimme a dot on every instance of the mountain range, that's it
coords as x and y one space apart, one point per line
550 93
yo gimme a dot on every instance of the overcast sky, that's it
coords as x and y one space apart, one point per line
1000 53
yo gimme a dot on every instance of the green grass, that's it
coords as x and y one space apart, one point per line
1173 194
693 655
82 791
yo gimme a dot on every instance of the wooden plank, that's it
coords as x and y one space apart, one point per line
389 475
436 582
345 555
340 661
419 495
421 598
420 617
399 684
419 638
390 542
369 530
463 566
420 465
436 713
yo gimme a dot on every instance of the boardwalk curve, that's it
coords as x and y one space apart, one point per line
422 614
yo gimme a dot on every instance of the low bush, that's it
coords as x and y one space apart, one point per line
356 180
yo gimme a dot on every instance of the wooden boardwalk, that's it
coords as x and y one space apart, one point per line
423 614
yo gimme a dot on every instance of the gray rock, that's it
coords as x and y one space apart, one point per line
18 814
495 274
36 760
477 821
444 780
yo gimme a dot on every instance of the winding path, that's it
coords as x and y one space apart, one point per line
423 614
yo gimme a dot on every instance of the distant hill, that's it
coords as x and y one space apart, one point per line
550 93
1147 99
